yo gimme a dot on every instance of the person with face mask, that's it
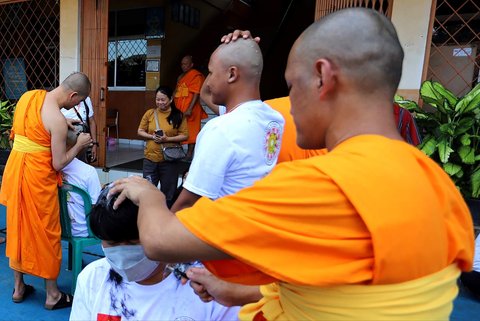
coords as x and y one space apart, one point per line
126 284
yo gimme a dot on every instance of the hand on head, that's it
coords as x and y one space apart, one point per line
232 36
132 188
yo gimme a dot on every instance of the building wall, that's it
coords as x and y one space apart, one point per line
69 37
412 19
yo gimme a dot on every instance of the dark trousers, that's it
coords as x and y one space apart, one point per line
471 280
164 172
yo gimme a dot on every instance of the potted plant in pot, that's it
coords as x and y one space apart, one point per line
6 120
451 129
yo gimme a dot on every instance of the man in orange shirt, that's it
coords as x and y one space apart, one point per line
29 185
187 94
325 236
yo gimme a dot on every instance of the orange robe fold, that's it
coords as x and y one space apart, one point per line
372 211
188 85
29 191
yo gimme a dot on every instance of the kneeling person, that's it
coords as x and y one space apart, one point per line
126 284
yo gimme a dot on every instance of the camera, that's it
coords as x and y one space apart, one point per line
83 128
159 132
80 128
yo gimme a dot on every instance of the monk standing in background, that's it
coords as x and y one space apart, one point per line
325 237
187 99
29 185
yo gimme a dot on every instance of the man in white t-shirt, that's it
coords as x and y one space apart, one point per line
80 113
84 176
126 285
240 147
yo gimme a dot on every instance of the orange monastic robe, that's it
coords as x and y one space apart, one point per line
29 191
372 211
189 84
289 149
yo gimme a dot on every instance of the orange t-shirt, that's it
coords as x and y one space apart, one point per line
371 211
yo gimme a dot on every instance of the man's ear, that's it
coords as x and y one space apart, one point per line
232 74
73 95
326 76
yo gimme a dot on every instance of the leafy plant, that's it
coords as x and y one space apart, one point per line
6 122
451 129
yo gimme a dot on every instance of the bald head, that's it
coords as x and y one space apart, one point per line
77 82
187 63
244 54
362 43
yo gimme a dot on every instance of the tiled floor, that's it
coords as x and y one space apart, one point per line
123 151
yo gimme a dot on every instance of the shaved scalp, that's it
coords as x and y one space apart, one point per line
188 58
245 54
361 42
78 82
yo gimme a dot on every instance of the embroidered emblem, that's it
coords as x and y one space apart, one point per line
272 142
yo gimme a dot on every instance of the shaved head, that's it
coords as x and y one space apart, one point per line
78 82
362 43
243 53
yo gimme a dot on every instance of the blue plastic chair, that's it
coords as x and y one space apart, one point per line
75 244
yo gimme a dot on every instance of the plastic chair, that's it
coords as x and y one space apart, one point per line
112 121
75 244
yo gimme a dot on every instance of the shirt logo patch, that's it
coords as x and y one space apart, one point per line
272 142
106 317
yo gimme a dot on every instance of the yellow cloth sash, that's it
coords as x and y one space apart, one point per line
426 298
24 145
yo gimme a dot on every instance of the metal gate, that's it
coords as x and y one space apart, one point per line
454 58
325 7
29 47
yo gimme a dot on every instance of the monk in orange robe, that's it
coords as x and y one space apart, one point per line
329 237
29 185
186 97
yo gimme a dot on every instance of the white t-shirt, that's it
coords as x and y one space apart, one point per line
96 294
476 257
70 113
84 176
235 150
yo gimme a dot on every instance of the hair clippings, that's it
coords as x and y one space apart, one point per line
103 199
179 270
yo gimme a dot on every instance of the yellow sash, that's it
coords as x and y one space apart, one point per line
24 145
426 298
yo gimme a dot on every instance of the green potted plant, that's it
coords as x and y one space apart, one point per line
451 136
6 120
451 132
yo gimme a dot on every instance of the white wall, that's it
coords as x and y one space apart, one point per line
69 37
411 19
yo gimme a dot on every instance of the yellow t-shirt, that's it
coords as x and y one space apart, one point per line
153 151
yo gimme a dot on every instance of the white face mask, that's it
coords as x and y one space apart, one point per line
130 262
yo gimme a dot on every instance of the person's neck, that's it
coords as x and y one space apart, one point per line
155 277
55 96
240 98
361 116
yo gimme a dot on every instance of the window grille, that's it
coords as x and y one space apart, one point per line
127 48
454 53
325 7
29 47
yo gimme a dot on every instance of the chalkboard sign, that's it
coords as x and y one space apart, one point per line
15 79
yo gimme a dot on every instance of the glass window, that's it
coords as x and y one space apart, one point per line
127 48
